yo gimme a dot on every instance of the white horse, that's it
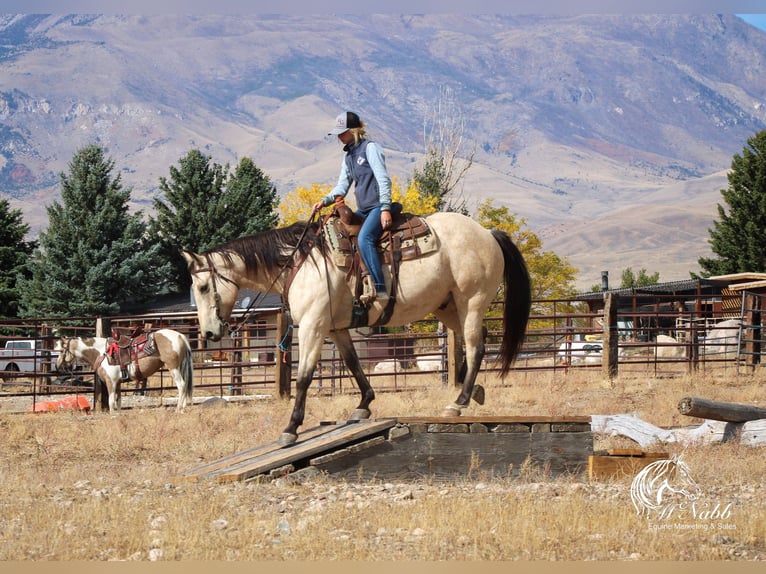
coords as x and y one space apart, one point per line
169 349
457 281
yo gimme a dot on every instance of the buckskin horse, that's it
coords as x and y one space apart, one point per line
163 348
457 280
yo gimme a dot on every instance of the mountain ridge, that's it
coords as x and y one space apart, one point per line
590 127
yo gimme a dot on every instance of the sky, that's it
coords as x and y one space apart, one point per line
757 20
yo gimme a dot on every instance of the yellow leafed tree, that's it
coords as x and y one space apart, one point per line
297 205
552 276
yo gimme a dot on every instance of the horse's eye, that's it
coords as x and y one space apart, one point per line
204 289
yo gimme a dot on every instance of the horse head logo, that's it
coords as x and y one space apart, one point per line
660 483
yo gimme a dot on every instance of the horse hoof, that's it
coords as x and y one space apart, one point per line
287 439
360 415
478 394
451 411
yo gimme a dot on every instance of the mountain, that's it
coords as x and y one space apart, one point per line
610 135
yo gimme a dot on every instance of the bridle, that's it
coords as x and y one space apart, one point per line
214 276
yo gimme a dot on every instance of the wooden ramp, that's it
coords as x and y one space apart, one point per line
268 457
416 447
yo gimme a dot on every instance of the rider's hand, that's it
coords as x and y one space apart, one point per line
319 205
385 219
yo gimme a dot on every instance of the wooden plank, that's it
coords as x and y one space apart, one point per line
437 455
607 467
205 470
468 419
306 449
561 452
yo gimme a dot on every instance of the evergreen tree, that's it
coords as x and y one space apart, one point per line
640 279
14 252
94 255
205 206
738 238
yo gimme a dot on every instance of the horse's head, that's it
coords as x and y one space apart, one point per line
214 294
66 359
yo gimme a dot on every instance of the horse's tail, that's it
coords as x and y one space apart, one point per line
517 303
187 371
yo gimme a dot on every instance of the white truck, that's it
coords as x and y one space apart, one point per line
25 356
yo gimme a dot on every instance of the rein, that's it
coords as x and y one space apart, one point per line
215 274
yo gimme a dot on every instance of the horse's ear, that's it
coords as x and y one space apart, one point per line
191 257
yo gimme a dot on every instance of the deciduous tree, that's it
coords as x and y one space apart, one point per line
552 276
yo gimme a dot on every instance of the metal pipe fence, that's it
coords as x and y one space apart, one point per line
563 336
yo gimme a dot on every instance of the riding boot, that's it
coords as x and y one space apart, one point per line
125 376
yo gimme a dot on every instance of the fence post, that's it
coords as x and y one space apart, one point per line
693 346
100 394
610 337
283 371
752 322
455 357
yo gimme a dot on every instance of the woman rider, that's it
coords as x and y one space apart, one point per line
364 165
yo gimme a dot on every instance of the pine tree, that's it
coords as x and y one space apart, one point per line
738 238
14 252
204 205
94 257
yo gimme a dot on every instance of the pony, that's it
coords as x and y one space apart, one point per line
456 281
170 350
658 480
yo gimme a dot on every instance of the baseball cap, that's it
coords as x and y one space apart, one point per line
344 122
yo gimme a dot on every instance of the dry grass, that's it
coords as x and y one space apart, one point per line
97 487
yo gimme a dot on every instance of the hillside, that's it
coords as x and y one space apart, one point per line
610 135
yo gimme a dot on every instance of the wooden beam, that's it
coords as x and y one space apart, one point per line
718 411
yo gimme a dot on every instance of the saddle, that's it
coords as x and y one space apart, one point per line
129 345
409 237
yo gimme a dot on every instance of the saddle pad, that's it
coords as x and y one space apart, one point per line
415 236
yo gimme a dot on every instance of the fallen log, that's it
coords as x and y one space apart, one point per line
750 433
718 411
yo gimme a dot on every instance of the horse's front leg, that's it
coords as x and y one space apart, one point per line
309 348
351 359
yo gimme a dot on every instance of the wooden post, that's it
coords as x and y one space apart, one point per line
752 322
718 411
455 357
100 392
283 372
610 338
236 363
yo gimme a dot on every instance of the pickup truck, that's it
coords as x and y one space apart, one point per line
25 356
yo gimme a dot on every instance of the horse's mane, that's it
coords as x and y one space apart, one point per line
274 248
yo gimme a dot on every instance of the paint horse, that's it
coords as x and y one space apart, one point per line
456 281
165 348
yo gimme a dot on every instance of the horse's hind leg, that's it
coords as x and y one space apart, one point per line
473 335
351 359
181 386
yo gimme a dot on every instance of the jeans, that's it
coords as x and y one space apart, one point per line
368 235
